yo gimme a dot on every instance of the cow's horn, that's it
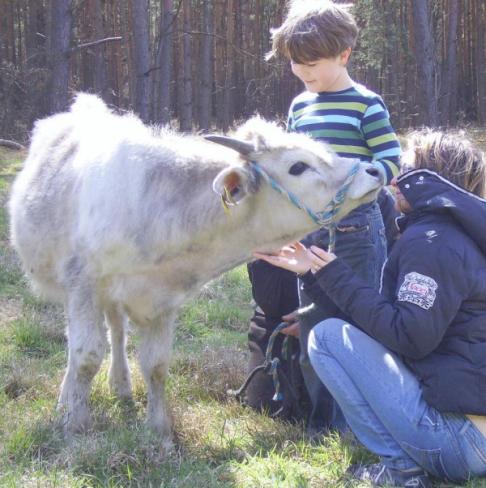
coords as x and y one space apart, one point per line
243 147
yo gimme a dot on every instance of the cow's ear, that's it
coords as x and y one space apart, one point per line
232 184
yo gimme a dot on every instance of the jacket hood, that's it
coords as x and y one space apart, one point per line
426 191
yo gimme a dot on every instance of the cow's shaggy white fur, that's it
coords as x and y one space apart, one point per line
115 221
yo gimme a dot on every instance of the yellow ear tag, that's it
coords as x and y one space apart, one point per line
225 197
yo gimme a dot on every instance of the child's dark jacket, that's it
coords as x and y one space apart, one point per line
432 306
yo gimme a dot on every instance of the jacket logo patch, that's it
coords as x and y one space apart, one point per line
418 289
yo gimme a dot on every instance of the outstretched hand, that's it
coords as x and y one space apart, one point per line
297 258
293 257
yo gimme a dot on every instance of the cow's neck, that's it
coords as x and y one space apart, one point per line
227 239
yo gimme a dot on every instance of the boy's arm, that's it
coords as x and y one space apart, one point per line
381 139
290 119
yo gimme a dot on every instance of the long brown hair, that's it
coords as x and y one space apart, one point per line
452 155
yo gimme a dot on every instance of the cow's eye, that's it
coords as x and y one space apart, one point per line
298 168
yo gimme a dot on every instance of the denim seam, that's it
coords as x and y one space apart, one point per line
472 441
429 453
457 447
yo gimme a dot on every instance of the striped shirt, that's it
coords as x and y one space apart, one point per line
355 122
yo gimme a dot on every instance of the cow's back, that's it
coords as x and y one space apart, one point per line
41 203
44 200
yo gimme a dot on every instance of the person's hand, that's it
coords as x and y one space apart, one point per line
293 257
294 324
319 258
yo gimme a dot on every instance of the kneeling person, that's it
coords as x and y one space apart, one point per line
408 368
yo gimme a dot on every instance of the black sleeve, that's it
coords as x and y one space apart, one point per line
274 289
317 295
429 291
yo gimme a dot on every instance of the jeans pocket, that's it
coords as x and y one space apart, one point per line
354 223
429 459
349 229
431 419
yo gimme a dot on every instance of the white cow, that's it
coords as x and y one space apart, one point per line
115 221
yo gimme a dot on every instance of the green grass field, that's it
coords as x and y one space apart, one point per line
218 443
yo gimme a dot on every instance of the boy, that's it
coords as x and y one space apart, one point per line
317 37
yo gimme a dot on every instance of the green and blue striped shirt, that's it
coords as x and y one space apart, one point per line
354 122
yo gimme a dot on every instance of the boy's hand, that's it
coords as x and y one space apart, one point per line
294 324
319 258
293 257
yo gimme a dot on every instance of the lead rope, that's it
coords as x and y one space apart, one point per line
270 366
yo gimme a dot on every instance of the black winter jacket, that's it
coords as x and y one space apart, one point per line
431 309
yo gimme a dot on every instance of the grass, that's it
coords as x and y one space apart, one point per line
218 443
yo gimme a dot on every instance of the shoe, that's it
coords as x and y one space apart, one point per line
380 475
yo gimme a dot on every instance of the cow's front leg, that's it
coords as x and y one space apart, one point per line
154 355
119 377
87 345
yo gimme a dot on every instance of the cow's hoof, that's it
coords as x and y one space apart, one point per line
123 394
162 429
120 387
75 423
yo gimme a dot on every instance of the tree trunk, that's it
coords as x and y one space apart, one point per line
186 102
60 40
229 67
141 58
206 62
480 62
99 68
35 30
448 96
164 63
425 53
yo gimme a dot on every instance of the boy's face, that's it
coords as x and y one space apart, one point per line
324 74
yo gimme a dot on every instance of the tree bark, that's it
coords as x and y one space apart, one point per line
141 59
480 62
60 39
34 39
206 62
426 65
229 68
448 96
164 63
186 102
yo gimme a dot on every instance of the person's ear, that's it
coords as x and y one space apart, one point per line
344 56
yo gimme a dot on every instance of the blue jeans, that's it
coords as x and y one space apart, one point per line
360 241
382 402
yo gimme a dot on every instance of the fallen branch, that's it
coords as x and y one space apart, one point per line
95 43
11 144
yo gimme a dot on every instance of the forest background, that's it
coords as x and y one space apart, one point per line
199 64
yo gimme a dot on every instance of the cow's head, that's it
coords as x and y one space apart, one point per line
307 168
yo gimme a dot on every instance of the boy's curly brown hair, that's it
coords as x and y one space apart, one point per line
314 29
